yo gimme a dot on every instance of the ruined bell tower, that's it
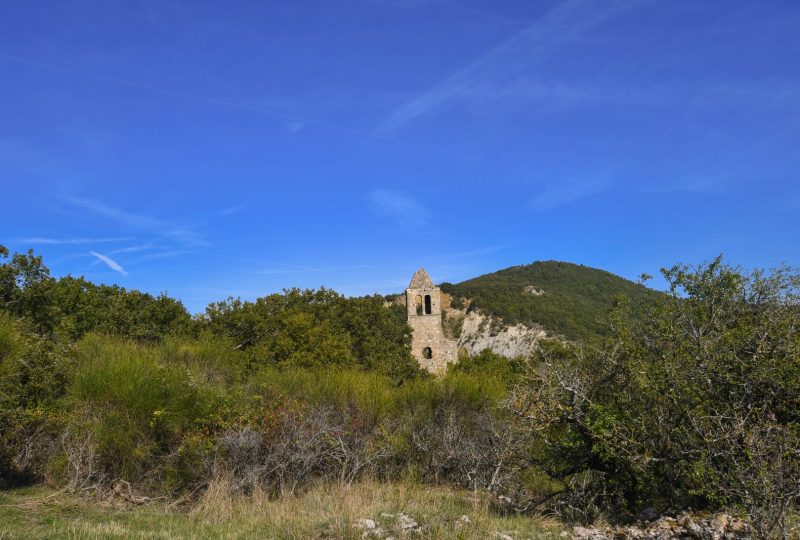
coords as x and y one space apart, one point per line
429 345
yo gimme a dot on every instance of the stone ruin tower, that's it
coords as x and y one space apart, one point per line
429 345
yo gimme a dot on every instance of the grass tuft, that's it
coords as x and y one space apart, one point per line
328 511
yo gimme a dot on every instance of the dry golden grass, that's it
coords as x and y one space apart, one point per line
325 512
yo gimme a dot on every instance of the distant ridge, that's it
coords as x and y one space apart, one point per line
564 298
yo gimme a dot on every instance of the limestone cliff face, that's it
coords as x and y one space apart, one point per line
475 331
480 332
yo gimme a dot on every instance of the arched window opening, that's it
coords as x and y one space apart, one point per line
418 302
427 353
427 304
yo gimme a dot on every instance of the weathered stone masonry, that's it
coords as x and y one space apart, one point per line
429 345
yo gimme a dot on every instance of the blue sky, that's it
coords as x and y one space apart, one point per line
210 149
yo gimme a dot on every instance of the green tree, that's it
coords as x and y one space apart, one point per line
25 284
696 404
315 328
71 307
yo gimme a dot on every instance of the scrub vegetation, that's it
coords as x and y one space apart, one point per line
304 411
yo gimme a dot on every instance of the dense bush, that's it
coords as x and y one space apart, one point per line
33 376
695 405
71 307
315 328
169 418
130 411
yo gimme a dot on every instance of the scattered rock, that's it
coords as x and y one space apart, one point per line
586 532
720 522
717 527
407 523
501 536
365 523
463 521
531 289
738 525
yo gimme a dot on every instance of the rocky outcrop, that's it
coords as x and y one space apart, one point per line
479 332
650 526
389 524
717 527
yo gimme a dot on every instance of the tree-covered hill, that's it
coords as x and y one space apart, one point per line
565 298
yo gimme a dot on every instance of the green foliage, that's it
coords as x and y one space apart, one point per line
71 307
574 303
696 404
33 377
687 398
24 285
77 307
135 409
326 387
164 417
316 328
214 356
490 365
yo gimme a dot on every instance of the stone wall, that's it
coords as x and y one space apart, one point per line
432 349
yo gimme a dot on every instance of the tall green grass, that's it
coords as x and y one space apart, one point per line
136 407
154 415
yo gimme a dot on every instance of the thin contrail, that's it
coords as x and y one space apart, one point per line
200 99
111 263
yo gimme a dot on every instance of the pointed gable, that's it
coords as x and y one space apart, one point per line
421 280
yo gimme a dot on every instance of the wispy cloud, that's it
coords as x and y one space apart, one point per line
560 193
133 249
289 269
231 210
696 183
400 207
111 263
694 95
155 252
161 255
288 118
21 156
384 286
485 15
299 269
562 25
477 252
175 232
39 240
295 125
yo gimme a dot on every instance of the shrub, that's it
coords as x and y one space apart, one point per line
695 405
33 375
133 410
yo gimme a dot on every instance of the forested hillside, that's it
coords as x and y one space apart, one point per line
566 299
